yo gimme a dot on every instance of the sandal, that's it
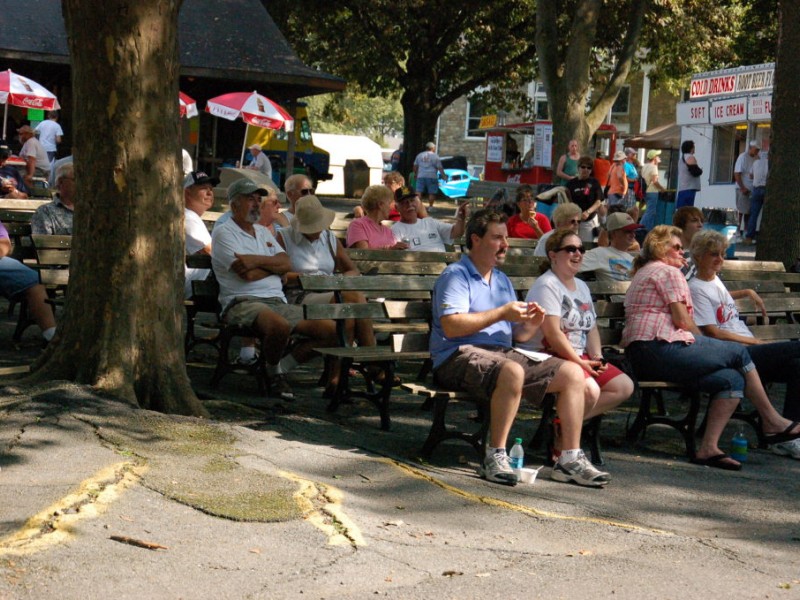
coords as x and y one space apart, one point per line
718 461
379 376
784 436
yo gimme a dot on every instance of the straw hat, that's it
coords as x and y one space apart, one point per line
310 216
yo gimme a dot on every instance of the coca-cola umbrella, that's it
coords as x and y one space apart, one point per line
253 108
21 91
188 105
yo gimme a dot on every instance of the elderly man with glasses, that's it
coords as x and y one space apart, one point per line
248 263
428 234
55 218
295 187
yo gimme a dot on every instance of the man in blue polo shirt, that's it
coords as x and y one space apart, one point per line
475 310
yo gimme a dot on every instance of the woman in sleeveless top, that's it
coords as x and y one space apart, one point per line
688 184
567 167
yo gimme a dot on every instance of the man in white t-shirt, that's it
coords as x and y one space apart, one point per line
743 176
613 262
33 153
198 196
248 263
50 134
428 234
260 161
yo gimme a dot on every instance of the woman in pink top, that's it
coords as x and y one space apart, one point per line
369 231
663 343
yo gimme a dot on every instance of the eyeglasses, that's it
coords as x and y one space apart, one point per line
585 167
306 191
575 222
572 249
677 247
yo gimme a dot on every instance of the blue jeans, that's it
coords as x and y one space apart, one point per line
709 365
756 202
15 277
685 198
648 220
780 361
427 185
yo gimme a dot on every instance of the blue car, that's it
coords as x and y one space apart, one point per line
456 184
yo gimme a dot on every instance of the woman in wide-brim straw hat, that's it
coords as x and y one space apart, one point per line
314 250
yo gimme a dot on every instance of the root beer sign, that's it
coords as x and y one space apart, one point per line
729 82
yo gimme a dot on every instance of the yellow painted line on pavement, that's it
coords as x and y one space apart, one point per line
56 523
527 510
329 518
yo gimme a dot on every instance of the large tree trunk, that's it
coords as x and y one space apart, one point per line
782 205
419 126
121 327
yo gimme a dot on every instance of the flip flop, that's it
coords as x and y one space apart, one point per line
784 436
718 462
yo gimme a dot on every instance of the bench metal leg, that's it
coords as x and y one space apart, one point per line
378 393
685 426
439 431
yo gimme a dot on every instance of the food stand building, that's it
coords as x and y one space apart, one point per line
726 110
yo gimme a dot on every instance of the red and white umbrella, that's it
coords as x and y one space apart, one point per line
188 105
21 91
253 108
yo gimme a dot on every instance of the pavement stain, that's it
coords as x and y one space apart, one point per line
56 523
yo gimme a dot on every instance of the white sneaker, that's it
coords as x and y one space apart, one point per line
791 449
497 468
581 471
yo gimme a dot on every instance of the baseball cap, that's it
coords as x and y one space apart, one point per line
198 178
254 147
629 151
755 144
651 154
619 155
621 220
404 192
245 187
25 129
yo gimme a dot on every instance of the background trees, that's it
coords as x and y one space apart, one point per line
431 52
121 330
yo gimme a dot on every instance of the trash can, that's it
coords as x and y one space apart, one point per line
665 207
724 221
356 177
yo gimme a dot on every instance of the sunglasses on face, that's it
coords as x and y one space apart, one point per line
575 222
306 191
572 249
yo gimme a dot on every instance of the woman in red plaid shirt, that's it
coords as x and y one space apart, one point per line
663 343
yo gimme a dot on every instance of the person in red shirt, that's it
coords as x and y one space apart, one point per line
527 223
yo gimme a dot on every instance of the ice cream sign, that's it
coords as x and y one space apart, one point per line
731 110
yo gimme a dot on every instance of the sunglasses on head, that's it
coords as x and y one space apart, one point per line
306 191
571 249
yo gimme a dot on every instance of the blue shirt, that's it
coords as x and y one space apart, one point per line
460 289
631 173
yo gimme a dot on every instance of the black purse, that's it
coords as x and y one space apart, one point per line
694 170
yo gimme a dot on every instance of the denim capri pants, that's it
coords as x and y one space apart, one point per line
708 365
15 277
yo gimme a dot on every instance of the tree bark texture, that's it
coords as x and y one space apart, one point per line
121 327
779 237
419 126
564 65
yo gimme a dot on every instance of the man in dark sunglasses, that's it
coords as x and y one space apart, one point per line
295 187
613 262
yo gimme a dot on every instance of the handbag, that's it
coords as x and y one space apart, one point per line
694 170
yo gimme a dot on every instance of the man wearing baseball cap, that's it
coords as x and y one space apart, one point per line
248 263
260 161
35 156
650 177
198 196
426 234
613 263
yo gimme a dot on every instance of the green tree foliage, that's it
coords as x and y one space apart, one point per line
430 52
352 112
587 49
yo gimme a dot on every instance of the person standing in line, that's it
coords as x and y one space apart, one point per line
689 173
50 134
397 158
759 177
260 161
427 165
567 167
632 174
617 180
743 176
650 177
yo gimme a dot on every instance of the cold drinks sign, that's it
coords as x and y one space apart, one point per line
729 96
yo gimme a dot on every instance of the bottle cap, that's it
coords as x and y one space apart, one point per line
518 440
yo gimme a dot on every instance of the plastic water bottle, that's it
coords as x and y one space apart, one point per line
739 446
517 455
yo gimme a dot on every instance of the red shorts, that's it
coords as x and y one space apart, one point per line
603 378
